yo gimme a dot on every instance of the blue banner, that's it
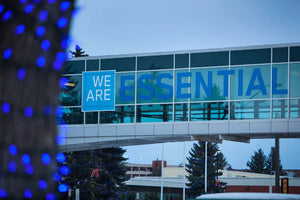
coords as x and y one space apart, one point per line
98 91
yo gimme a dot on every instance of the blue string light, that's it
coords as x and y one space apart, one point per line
64 5
48 110
40 31
50 196
7 53
37 1
23 1
21 73
1 8
29 169
65 43
60 157
12 166
42 184
51 1
46 159
62 22
41 61
6 108
61 138
27 194
20 29
63 188
2 193
65 170
43 15
57 65
28 112
26 159
28 8
57 177
13 149
60 56
63 82
7 15
45 45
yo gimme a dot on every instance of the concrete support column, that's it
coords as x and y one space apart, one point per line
277 166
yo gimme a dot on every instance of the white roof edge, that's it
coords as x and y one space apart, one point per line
188 51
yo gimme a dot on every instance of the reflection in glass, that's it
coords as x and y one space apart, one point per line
181 112
155 62
74 67
250 109
294 80
72 116
122 114
209 111
154 113
71 91
91 117
125 88
295 108
280 109
92 65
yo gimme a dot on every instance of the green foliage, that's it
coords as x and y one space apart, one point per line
112 173
270 162
257 163
196 169
78 52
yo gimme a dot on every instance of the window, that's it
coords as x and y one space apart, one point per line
250 110
74 67
72 115
255 56
122 114
209 111
279 109
280 55
118 64
294 80
181 60
155 62
71 91
92 65
181 112
210 59
154 113
294 54
91 117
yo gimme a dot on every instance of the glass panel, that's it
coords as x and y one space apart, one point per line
250 82
209 111
71 91
183 85
280 80
91 117
280 55
295 108
155 62
74 67
210 59
118 64
181 60
254 56
280 109
155 86
125 88
92 65
122 114
181 112
72 115
210 83
154 113
294 80
250 110
294 54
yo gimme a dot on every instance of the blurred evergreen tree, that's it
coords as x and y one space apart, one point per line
270 162
258 162
112 173
196 169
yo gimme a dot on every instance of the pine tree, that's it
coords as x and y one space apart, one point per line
78 52
196 169
111 170
257 163
270 162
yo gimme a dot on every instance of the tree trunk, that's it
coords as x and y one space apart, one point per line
28 100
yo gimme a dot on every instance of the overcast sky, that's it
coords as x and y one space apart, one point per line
144 26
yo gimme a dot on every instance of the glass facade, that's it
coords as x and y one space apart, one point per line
259 83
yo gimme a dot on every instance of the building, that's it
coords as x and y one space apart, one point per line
230 93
